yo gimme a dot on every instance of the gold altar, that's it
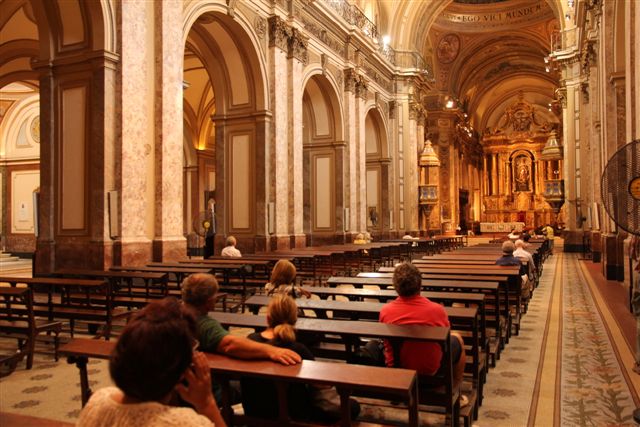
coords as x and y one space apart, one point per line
515 171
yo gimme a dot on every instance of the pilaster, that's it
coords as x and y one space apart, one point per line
134 151
168 243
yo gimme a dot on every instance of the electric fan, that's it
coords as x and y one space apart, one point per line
621 187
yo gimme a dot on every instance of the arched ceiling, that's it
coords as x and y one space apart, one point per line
485 53
19 43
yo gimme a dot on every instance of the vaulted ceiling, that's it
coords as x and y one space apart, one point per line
485 53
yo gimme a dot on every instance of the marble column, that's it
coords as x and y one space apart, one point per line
284 132
361 96
507 181
485 176
45 256
168 242
76 161
411 170
134 150
494 174
350 135
571 124
297 62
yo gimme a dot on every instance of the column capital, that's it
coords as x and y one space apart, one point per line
298 46
279 33
354 82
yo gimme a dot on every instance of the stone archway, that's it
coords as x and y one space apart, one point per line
225 110
75 114
323 160
377 179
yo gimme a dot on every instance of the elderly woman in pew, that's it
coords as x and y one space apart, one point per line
311 403
154 359
198 294
283 281
411 308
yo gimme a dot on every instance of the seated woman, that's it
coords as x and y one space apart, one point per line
312 403
154 359
283 281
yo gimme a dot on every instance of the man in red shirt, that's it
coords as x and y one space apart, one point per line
410 308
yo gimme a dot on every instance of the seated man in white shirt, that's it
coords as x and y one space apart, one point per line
230 250
521 253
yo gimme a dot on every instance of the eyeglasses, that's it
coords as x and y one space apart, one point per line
196 345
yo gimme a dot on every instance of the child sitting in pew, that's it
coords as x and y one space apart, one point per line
305 402
283 281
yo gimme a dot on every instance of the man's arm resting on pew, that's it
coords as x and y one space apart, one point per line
214 338
244 348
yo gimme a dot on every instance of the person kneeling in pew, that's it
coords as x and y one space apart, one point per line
198 294
411 308
305 402
153 359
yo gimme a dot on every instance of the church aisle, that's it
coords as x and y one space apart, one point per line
512 384
585 376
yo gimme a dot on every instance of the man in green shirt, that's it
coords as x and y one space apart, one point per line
198 292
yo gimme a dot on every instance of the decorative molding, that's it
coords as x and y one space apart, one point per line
589 57
349 80
339 78
260 25
354 82
231 7
298 45
289 39
416 111
584 88
323 63
561 95
323 35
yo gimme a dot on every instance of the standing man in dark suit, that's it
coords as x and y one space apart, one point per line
211 231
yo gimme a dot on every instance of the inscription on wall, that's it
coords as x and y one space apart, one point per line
515 15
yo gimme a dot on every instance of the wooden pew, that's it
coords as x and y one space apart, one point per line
399 384
237 277
19 420
73 300
17 320
508 276
383 295
490 309
465 319
125 285
179 273
351 333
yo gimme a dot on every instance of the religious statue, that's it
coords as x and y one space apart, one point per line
522 173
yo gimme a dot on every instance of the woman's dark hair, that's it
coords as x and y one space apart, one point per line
154 350
407 280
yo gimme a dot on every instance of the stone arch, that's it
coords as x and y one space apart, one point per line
378 174
324 159
233 119
246 38
73 219
332 91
